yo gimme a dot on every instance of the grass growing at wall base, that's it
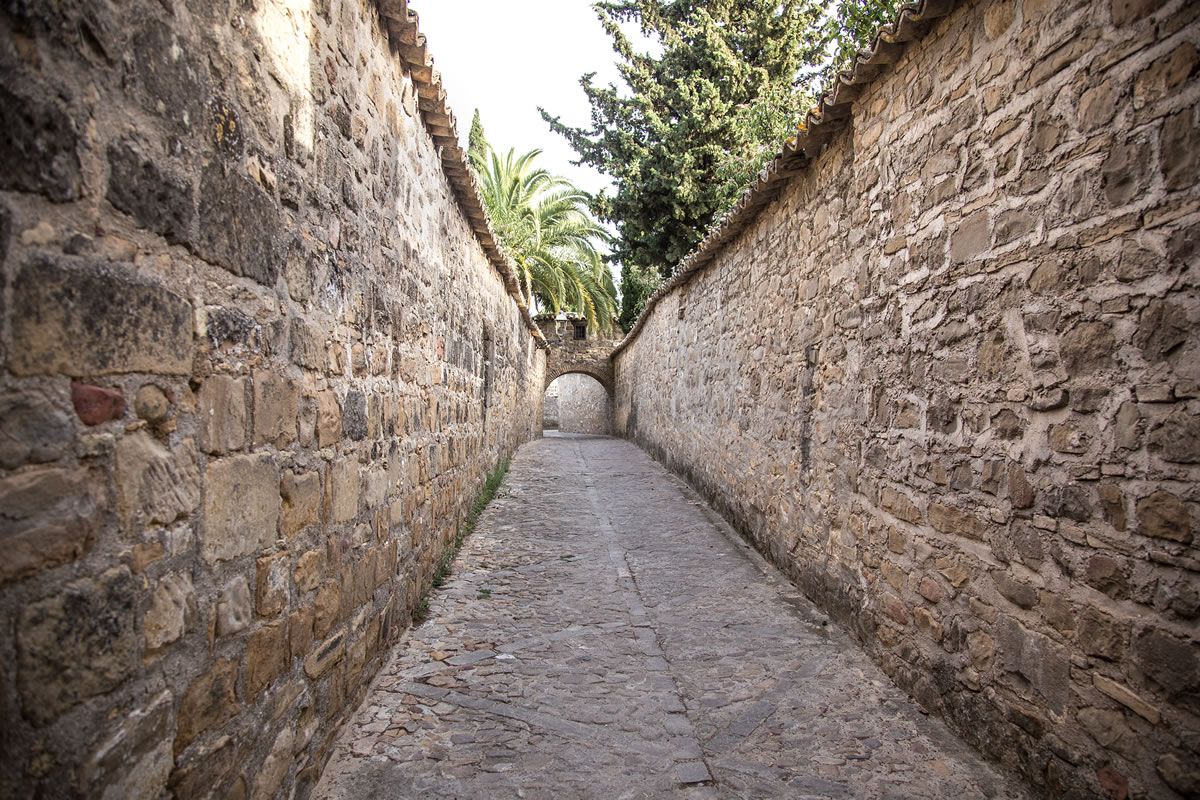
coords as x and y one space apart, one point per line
442 571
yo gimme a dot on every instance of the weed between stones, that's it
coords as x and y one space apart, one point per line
490 486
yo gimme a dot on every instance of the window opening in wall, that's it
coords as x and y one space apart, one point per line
580 330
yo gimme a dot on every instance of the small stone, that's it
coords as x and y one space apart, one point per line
271 584
691 772
953 570
1101 635
899 505
329 419
1179 772
170 605
1177 438
96 404
973 236
931 590
221 414
233 607
1108 574
1126 697
328 608
927 622
325 656
948 519
151 404
310 569
1015 591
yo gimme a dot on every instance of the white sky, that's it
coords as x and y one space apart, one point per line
507 57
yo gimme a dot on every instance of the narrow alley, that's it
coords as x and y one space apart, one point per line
605 635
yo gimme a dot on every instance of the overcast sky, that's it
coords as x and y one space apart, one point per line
507 57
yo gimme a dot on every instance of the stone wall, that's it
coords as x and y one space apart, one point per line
254 365
566 354
950 382
550 407
583 405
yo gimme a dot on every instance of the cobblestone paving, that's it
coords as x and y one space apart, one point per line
604 636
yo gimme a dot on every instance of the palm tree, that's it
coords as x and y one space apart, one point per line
543 223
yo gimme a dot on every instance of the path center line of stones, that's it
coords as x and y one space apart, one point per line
692 770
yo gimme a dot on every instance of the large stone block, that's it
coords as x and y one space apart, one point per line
1177 437
267 657
1038 659
241 507
74 318
39 149
345 486
47 518
157 201
31 431
221 414
274 769
301 494
1164 516
155 485
135 759
239 226
1170 663
276 402
209 702
76 644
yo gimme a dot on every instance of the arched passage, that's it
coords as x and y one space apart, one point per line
576 402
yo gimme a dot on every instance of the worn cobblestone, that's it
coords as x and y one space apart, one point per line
605 635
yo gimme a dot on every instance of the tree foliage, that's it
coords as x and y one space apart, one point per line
697 118
542 222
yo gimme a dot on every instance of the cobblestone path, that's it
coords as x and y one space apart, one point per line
603 637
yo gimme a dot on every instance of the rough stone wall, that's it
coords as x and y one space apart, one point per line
550 407
950 381
254 367
584 406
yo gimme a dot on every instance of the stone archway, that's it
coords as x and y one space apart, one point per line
575 350
578 402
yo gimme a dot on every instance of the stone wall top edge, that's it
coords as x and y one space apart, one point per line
821 123
410 46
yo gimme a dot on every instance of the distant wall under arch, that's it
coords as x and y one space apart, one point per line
578 403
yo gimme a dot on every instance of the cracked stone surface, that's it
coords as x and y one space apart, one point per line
605 635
